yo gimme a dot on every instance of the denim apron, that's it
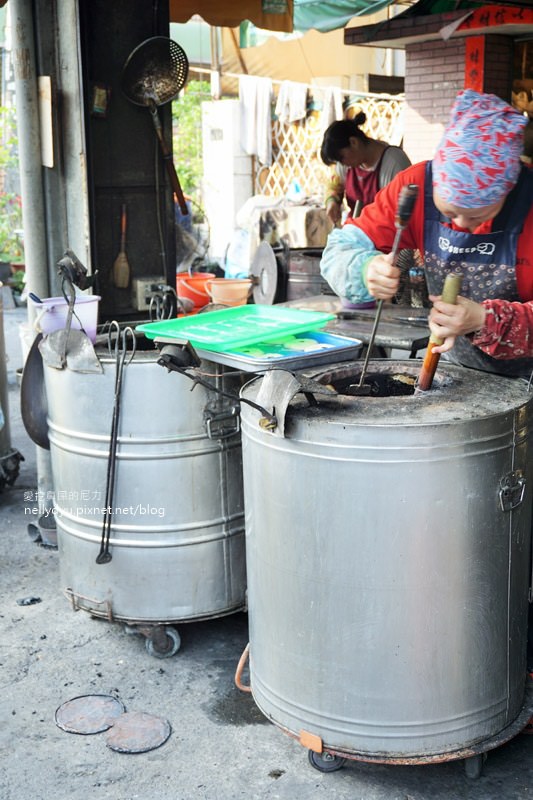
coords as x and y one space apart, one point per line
487 262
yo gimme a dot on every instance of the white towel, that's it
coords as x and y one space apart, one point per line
255 101
332 107
291 104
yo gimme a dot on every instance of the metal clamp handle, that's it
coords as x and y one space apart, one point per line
240 667
512 490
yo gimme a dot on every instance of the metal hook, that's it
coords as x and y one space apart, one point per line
114 328
128 332
155 307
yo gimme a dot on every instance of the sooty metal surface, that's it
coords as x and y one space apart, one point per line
457 392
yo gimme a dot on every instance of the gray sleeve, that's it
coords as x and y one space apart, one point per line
394 160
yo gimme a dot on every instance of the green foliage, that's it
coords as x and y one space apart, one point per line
18 281
11 248
8 140
187 136
11 245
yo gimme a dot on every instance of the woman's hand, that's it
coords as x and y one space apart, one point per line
382 278
448 321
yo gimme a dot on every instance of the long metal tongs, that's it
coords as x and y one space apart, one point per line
406 203
120 350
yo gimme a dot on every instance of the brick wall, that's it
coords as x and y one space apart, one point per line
434 73
436 70
498 72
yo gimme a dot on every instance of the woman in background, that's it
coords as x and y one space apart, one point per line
362 166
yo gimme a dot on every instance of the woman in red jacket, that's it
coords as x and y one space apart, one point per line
474 214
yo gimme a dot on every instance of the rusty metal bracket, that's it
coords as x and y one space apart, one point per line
512 490
222 423
77 606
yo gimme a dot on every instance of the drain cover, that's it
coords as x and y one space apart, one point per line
89 713
138 732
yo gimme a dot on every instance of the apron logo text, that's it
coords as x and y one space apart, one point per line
485 248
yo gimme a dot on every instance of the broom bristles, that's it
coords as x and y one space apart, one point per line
121 271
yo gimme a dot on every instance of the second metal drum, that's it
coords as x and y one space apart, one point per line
177 534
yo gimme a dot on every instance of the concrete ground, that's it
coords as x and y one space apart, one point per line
220 748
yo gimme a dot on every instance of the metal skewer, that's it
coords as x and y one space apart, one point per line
406 202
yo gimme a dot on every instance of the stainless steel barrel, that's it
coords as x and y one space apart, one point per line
303 277
388 543
177 532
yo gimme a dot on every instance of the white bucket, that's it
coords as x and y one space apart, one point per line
52 314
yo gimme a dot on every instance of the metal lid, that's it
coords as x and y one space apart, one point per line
138 732
264 273
89 713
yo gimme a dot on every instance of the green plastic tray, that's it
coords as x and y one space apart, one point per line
235 327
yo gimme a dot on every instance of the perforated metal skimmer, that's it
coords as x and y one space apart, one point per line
155 72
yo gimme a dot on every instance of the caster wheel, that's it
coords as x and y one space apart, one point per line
163 643
325 762
34 533
474 766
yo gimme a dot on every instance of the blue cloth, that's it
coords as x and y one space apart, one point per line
184 220
346 252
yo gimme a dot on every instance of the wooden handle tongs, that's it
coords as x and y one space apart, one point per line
450 290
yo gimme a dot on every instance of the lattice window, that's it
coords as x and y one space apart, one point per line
296 147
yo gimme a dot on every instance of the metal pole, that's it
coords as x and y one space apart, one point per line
29 142
5 433
31 185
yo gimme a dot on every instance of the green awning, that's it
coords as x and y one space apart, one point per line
424 7
277 15
328 16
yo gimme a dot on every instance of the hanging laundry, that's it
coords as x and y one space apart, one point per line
255 102
291 104
331 108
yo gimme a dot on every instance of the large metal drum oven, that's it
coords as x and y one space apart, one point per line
388 561
177 533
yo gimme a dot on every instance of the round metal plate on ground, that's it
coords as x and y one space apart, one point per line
138 732
264 274
90 713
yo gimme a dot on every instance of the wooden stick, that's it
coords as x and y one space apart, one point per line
450 290
121 266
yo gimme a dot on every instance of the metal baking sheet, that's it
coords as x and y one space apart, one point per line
298 351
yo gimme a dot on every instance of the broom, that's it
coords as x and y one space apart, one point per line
121 267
